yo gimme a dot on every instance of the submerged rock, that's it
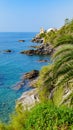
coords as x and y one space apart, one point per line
19 85
21 41
42 61
8 51
31 75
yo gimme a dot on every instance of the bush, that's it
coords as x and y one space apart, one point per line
44 116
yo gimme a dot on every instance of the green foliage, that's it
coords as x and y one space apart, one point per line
47 116
65 39
63 64
44 116
45 82
42 35
50 36
53 36
60 73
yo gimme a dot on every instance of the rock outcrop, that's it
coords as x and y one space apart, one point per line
28 80
37 40
31 75
43 49
28 99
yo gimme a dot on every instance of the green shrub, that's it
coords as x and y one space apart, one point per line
44 116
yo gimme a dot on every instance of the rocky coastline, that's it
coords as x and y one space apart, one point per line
27 79
29 98
37 39
43 49
30 78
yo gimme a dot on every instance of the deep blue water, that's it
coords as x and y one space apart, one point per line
13 66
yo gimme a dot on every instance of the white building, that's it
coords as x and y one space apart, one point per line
51 29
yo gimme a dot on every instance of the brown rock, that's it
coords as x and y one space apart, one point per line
31 75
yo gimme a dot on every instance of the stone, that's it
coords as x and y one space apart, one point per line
19 85
34 46
28 99
8 51
33 82
43 49
37 40
42 60
28 52
31 75
21 41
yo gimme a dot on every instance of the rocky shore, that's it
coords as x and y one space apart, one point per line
43 49
28 79
29 98
37 40
31 75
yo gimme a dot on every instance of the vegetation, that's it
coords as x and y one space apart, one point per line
44 116
57 79
53 36
55 85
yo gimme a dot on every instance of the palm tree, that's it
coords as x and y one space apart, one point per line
63 61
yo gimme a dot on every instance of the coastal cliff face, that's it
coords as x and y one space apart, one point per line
61 96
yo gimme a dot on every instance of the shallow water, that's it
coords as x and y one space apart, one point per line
13 66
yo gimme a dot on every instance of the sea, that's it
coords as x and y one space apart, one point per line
13 65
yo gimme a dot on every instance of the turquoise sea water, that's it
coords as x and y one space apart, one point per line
13 66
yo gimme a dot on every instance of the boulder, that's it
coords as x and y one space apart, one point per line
31 75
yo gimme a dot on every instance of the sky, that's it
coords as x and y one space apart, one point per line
31 15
